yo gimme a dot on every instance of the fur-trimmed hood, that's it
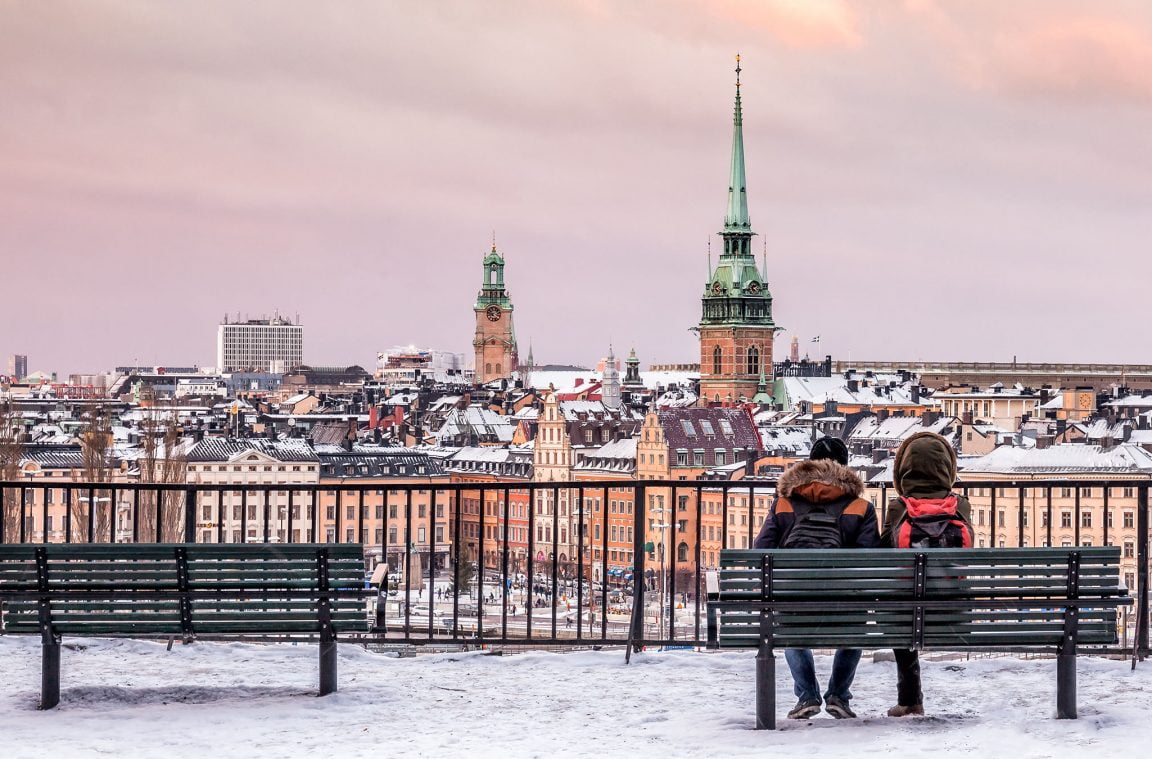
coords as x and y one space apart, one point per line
820 481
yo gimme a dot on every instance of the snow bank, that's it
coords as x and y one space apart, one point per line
221 700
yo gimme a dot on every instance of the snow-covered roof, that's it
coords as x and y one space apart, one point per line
894 428
1070 458
820 390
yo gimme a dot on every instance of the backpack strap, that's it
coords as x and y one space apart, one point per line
857 508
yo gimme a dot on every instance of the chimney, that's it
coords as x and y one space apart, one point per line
881 415
1127 432
853 385
579 381
879 454
965 417
1044 441
916 393
1061 426
1043 395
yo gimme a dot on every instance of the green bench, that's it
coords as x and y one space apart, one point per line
181 590
943 599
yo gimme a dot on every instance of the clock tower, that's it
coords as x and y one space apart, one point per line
736 328
495 340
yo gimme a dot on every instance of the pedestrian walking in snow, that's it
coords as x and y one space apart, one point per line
818 505
925 514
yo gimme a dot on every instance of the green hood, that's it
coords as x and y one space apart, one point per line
925 466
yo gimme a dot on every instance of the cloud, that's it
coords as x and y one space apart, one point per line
1085 58
796 23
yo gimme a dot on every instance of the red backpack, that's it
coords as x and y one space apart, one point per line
933 523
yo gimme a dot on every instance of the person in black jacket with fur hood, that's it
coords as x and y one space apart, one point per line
819 505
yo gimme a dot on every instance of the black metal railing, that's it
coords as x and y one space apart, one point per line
570 563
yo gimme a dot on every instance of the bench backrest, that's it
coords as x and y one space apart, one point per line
180 589
944 597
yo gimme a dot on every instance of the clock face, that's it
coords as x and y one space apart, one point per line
493 313
754 287
717 288
1085 402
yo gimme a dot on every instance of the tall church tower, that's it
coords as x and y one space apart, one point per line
736 328
495 340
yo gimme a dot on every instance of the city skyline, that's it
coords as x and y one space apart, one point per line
919 195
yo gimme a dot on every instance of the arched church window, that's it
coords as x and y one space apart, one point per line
488 368
753 360
717 360
499 372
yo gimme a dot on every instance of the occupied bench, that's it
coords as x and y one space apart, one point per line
937 598
185 590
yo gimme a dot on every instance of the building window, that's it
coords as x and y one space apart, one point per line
717 360
1066 519
1086 519
1129 549
1129 519
753 360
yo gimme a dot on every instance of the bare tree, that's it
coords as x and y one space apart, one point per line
162 461
97 463
11 451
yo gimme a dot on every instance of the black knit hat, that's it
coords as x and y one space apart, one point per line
830 448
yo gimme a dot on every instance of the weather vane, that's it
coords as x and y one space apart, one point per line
737 70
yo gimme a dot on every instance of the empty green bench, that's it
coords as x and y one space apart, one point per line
944 599
181 590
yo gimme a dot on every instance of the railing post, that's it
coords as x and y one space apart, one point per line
1142 571
189 515
636 634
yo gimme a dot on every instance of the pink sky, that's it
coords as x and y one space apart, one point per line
933 180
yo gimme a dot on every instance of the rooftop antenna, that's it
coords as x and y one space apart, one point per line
493 240
764 258
709 257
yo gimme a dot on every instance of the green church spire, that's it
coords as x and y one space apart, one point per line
736 219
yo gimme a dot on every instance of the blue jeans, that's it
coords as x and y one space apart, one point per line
804 674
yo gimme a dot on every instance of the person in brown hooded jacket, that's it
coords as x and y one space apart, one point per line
923 472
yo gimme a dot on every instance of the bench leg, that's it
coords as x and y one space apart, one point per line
765 690
50 672
327 664
1066 686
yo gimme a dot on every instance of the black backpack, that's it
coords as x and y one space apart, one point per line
817 525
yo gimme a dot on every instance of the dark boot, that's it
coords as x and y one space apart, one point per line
909 699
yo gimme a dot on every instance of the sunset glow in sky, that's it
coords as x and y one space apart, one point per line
932 179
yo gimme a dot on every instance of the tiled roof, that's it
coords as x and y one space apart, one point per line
376 461
708 429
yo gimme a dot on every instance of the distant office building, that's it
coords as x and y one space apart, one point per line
18 367
259 345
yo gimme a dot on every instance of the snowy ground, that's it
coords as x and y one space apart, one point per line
218 700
